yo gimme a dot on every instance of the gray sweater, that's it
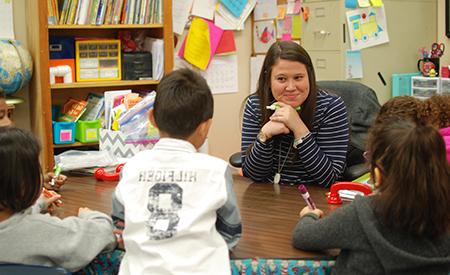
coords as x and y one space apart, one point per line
368 247
39 239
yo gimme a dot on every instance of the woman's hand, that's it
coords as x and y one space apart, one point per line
307 210
287 115
273 128
58 181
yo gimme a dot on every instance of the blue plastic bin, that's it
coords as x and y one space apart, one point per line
63 132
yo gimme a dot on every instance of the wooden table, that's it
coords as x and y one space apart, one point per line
267 219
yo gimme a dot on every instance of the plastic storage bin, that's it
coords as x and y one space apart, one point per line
424 87
445 86
88 130
63 132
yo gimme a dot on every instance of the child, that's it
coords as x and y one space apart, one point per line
6 121
37 239
404 227
437 112
401 107
178 205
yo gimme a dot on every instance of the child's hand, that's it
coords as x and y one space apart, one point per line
307 210
58 181
51 200
83 210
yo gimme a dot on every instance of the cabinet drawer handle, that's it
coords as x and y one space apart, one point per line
322 33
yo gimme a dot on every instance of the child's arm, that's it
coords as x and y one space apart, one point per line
228 217
80 239
118 216
336 230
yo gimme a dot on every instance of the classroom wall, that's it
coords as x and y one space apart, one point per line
224 137
441 38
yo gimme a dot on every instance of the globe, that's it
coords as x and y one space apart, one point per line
16 66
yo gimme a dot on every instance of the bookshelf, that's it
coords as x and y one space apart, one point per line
43 95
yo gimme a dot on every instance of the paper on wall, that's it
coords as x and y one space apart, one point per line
6 20
232 22
367 27
256 63
265 9
201 43
180 14
204 8
353 65
221 75
264 35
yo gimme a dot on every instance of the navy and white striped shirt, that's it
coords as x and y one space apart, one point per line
319 159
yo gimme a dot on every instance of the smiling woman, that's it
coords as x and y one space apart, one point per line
304 138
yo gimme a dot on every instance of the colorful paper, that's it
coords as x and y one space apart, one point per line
201 43
353 68
226 44
234 6
367 27
264 35
296 27
377 3
351 4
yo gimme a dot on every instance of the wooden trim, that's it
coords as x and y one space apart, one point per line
94 27
168 37
93 84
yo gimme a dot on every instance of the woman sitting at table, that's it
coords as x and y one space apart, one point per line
303 137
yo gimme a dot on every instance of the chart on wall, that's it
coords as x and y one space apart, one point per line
367 27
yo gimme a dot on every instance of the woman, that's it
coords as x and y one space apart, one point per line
304 140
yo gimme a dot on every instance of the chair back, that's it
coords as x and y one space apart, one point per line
362 108
22 269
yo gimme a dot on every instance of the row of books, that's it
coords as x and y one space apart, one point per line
99 12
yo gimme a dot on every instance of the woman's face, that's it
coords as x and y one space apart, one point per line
289 82
4 119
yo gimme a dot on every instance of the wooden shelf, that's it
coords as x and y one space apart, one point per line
76 144
93 84
93 27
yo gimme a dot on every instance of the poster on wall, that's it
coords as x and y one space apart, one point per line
6 20
264 35
367 27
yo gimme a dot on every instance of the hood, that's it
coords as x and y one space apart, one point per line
399 251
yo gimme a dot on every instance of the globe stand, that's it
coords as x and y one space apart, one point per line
11 101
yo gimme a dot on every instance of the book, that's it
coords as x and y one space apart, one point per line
72 110
95 107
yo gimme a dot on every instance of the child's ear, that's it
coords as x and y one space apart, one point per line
378 177
151 116
204 127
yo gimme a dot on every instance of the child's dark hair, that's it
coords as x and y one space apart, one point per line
20 171
183 101
2 95
415 191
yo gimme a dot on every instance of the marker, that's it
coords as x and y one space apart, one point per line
304 192
57 172
275 106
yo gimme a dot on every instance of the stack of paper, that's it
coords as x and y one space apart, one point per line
156 47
